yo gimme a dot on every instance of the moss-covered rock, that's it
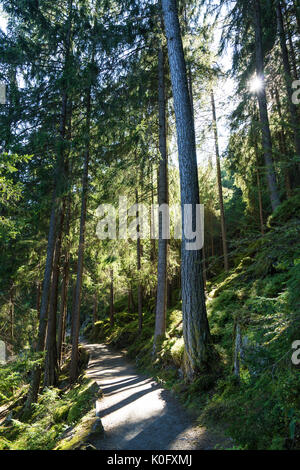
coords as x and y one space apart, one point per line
87 429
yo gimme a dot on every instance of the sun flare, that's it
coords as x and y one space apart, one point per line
255 84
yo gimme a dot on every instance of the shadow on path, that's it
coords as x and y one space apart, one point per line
136 412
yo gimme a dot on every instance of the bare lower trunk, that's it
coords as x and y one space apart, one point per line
292 52
12 315
95 308
283 145
296 5
38 299
111 299
139 267
152 222
261 217
263 111
288 81
163 198
77 300
64 288
36 373
219 179
196 333
130 300
51 365
237 351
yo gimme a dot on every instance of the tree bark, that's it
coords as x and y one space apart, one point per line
130 299
296 5
261 216
283 144
36 373
64 287
77 300
196 332
263 111
111 299
219 179
95 308
50 377
12 314
38 298
152 221
139 267
163 198
291 45
288 81
190 86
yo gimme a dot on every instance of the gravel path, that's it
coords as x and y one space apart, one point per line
136 412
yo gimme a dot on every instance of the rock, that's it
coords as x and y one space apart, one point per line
87 446
97 427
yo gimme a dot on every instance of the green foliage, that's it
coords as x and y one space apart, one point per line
261 409
14 375
289 209
82 397
54 413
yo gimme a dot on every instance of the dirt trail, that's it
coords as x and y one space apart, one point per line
136 412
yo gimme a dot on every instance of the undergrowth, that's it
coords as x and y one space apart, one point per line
261 408
56 419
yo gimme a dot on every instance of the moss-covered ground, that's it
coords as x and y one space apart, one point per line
261 408
62 418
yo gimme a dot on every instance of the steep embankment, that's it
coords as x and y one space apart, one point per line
260 299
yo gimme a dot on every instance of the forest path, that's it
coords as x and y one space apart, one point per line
136 412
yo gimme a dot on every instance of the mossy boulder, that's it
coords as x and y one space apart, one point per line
87 429
288 210
84 400
61 414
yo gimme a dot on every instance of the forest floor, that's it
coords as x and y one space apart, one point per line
137 413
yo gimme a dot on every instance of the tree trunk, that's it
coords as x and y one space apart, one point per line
190 86
77 300
288 81
139 267
95 308
130 300
152 221
261 216
291 45
12 314
50 378
196 332
219 179
111 299
163 198
237 351
64 287
296 5
36 373
13 99
38 299
263 111
283 144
